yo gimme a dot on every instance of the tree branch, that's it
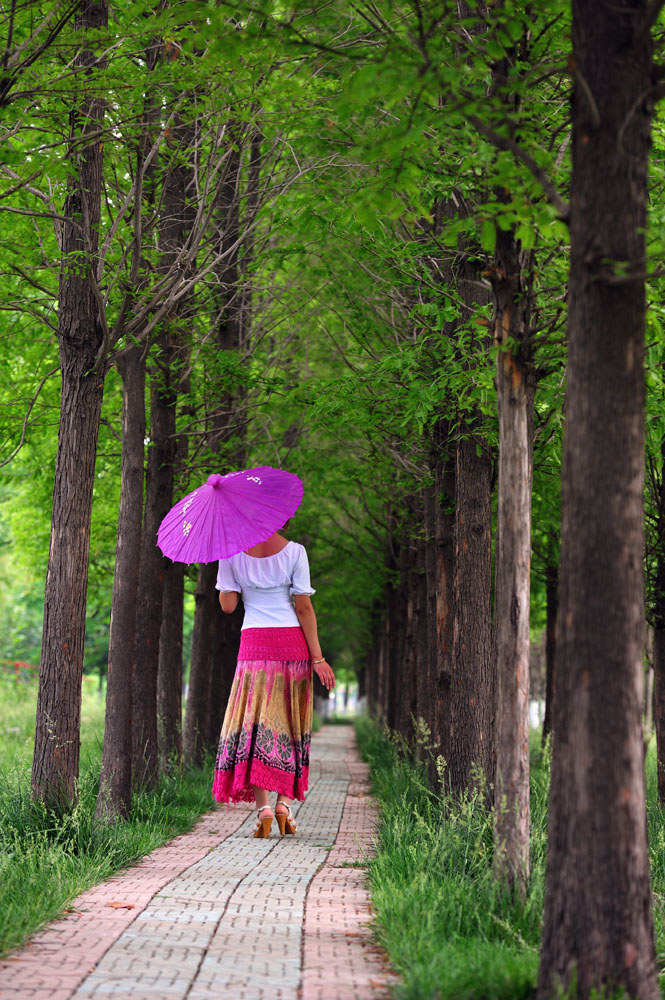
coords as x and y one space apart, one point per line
25 421
508 144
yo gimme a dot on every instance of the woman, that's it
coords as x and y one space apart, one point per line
265 740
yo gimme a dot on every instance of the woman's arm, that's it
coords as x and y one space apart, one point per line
228 600
307 619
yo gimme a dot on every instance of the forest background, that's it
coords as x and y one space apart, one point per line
337 239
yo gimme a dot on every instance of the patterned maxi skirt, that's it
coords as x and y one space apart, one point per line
266 733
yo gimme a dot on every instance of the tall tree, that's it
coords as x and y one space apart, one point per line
80 332
512 564
115 783
205 699
176 249
598 924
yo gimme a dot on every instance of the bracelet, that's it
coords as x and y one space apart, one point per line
322 660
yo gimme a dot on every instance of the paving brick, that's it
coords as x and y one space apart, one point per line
217 913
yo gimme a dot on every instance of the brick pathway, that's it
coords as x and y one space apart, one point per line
217 914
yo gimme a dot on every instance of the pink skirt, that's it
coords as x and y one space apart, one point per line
267 728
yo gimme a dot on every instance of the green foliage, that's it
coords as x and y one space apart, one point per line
359 341
449 929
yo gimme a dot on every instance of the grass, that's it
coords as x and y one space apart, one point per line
47 860
450 931
331 720
340 720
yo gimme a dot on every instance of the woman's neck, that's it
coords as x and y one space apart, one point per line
270 547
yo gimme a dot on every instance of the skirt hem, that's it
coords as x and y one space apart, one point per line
236 785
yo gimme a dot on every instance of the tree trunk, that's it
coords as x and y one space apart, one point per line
512 567
552 601
376 696
598 922
444 484
659 637
470 695
208 674
158 501
170 670
175 222
659 703
224 651
196 710
402 668
647 703
389 689
169 675
361 674
115 783
420 644
429 680
57 730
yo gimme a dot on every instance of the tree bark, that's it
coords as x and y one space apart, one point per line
196 710
659 636
169 674
170 669
430 679
393 665
420 643
552 602
204 674
468 734
598 921
444 484
224 656
57 730
659 704
158 502
512 568
175 223
402 670
115 783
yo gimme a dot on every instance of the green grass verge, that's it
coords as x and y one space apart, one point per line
449 929
46 861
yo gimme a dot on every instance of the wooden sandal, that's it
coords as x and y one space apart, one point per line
285 821
262 828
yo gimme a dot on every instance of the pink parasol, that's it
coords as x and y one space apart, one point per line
228 514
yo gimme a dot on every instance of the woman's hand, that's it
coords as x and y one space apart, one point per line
325 674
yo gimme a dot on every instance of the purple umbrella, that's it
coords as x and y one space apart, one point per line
228 514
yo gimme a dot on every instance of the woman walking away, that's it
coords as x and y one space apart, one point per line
265 740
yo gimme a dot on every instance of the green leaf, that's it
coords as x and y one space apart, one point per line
526 234
488 235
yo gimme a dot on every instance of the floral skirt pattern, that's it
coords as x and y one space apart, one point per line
266 733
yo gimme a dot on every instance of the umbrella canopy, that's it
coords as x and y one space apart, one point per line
228 514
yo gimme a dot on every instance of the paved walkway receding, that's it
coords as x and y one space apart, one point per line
216 913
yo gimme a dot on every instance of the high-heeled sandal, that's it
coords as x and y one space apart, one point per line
285 821
262 828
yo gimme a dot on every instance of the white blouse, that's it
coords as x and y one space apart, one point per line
267 585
